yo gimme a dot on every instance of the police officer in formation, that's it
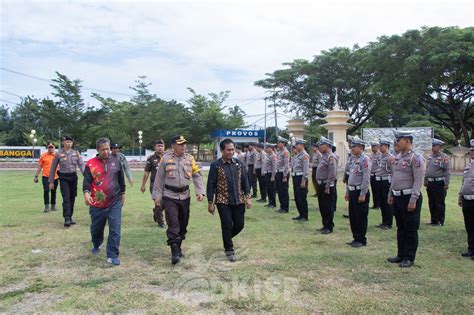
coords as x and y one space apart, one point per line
250 162
357 193
315 158
270 170
69 160
171 190
347 168
374 159
151 166
326 177
300 173
405 196
259 158
437 182
383 178
466 201
281 178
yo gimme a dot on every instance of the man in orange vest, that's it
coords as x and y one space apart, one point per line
44 163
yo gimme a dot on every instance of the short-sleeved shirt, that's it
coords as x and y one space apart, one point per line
151 166
45 162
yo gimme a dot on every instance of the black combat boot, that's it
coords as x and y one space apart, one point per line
174 253
180 251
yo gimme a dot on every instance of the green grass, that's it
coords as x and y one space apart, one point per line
282 266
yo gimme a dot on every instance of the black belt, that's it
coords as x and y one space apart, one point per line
67 174
177 189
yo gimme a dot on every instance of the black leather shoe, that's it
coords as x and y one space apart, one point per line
326 231
384 227
271 206
302 219
296 218
357 244
350 242
161 225
282 211
73 222
67 223
406 263
261 200
395 260
174 253
467 254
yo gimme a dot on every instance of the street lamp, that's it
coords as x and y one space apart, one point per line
34 140
140 141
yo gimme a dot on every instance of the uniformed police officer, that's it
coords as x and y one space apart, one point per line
466 201
315 158
347 167
281 178
171 190
300 173
374 159
151 166
405 196
437 182
334 197
69 160
270 170
357 193
326 176
115 148
250 160
258 167
383 178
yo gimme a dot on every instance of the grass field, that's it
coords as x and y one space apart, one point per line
282 266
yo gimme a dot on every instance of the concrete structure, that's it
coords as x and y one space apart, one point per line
296 127
337 126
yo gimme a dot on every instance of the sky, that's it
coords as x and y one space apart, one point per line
210 46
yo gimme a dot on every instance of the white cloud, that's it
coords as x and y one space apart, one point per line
210 46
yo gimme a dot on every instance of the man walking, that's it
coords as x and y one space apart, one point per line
405 196
44 167
229 189
171 190
104 193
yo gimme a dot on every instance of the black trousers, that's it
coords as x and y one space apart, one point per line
313 179
301 195
334 197
177 217
358 213
232 223
375 197
436 201
261 183
68 185
157 211
468 212
326 207
271 192
282 190
408 223
252 179
382 187
47 191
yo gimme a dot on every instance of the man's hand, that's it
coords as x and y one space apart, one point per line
158 202
346 197
326 191
35 180
142 189
460 202
123 200
411 206
390 200
285 179
248 203
88 199
51 186
200 198
361 199
446 187
211 208
303 185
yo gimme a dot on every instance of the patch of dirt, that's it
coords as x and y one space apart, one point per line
32 302
13 288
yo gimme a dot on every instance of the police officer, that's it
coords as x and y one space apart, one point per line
259 158
357 193
115 148
374 159
347 167
300 173
151 166
68 160
250 160
326 177
281 178
334 197
405 196
270 170
315 158
171 190
466 201
383 178
437 182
